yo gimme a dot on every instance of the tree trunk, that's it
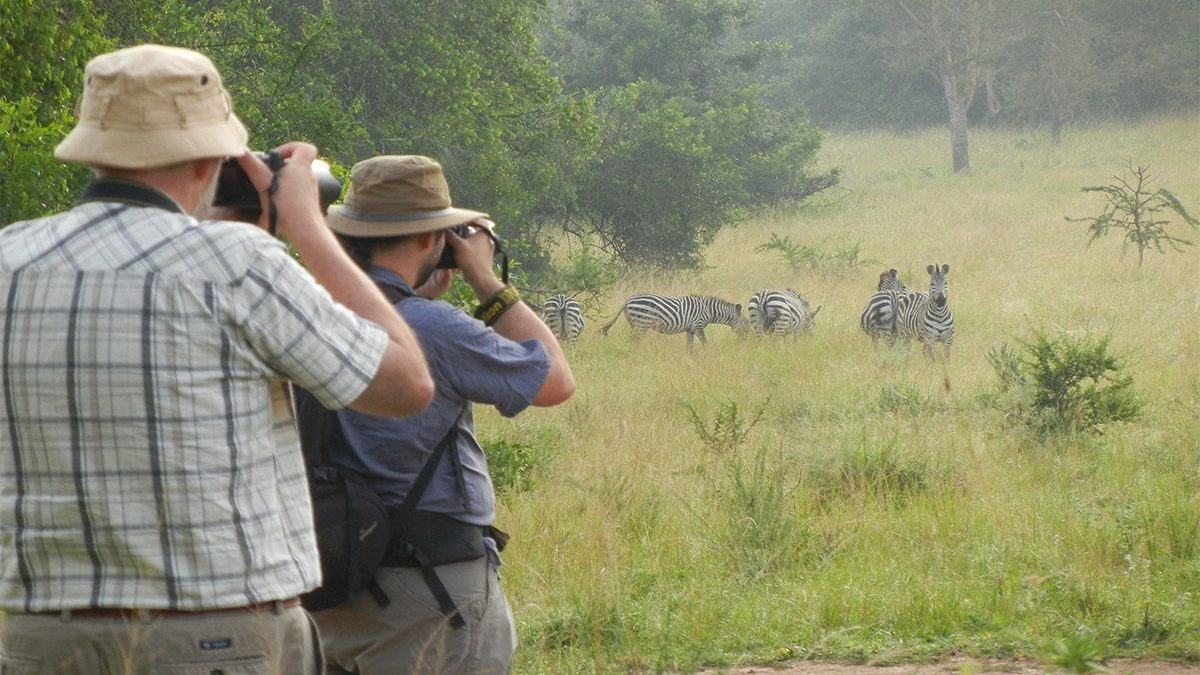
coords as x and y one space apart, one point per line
957 108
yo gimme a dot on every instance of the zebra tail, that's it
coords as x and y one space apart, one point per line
605 327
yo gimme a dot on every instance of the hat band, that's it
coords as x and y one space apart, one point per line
399 217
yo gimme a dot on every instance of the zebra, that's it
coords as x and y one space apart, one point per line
781 313
890 281
670 314
880 317
564 316
926 317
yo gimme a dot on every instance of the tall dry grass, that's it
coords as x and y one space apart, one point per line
879 510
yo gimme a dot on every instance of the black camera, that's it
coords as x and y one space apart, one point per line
447 260
235 190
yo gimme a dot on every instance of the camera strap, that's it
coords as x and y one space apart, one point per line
272 211
127 192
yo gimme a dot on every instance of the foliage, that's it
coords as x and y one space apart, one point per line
466 85
585 273
840 260
656 194
1067 384
512 465
686 141
833 66
1132 207
1077 653
758 527
1060 73
46 45
32 181
1055 62
729 429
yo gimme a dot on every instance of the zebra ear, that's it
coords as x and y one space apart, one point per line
930 269
945 268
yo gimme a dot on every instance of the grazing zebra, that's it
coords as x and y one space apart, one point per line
880 318
564 316
926 317
780 313
670 314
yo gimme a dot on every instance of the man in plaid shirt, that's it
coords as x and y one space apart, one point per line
154 509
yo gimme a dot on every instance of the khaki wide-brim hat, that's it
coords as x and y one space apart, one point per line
393 195
151 106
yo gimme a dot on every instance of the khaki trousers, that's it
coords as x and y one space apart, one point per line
252 642
412 636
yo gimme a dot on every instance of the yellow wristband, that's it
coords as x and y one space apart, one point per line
489 311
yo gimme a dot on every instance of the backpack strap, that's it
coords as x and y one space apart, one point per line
445 602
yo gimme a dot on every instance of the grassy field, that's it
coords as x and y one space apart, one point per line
754 501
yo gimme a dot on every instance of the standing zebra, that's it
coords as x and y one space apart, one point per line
781 313
564 316
926 316
880 318
670 314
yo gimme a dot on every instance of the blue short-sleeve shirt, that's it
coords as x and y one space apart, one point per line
470 363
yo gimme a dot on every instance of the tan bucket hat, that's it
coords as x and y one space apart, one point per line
392 195
150 106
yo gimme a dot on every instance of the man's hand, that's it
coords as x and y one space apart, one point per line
293 189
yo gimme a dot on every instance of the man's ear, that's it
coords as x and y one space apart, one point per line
429 240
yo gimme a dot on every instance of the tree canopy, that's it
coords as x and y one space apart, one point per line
643 127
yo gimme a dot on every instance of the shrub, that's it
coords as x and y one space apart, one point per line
828 263
513 464
729 429
1132 207
1067 384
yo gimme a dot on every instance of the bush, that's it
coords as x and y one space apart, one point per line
513 465
1066 384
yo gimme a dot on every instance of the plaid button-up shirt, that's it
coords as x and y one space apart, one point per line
148 455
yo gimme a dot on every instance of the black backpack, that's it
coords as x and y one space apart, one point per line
352 524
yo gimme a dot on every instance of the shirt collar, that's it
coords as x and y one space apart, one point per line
127 192
386 277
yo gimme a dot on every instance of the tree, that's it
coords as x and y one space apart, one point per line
835 65
1055 74
959 43
1132 207
46 46
686 138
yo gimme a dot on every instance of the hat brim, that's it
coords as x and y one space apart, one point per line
355 224
124 148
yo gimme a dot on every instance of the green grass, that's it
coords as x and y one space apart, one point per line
879 511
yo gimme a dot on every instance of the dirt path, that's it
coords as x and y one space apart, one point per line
961 666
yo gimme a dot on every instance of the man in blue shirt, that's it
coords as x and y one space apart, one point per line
447 613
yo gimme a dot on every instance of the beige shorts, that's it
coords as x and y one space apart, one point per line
250 642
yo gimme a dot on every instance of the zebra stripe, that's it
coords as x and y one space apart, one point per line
926 317
670 314
564 316
881 317
890 281
780 313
